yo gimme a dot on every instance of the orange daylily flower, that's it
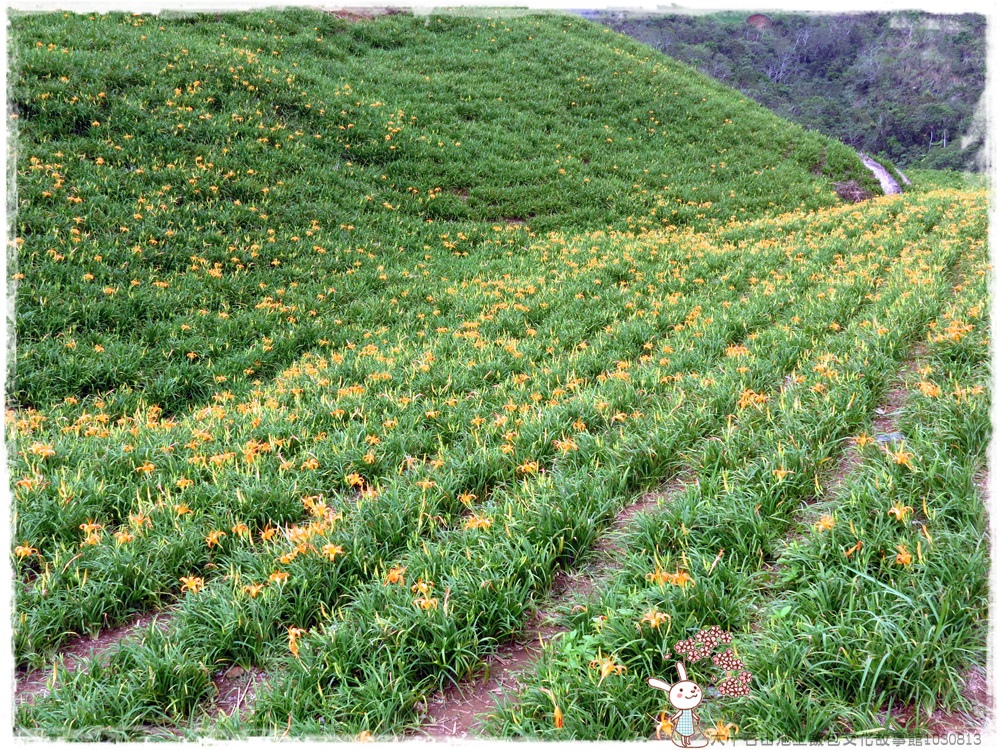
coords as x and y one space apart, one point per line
395 575
253 589
478 522
903 557
901 457
682 579
422 587
41 450
721 732
900 512
781 473
655 618
528 467
607 666
825 523
664 726
123 537
557 714
293 640
332 550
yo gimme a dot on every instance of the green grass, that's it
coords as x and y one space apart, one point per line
255 176
834 636
937 179
332 401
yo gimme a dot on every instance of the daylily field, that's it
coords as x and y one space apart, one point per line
339 342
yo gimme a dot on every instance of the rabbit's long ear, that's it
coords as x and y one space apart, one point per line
659 684
682 671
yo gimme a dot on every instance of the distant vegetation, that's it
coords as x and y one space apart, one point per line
906 85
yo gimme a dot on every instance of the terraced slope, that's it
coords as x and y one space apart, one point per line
345 378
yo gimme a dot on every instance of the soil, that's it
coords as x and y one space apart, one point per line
79 650
356 15
851 191
237 690
943 723
459 710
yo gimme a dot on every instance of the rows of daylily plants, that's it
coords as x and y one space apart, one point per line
856 602
373 409
199 196
374 522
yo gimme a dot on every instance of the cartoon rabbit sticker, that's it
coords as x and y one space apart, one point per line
685 696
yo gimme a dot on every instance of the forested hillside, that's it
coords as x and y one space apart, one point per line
906 85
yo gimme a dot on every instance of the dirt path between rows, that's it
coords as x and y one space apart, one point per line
975 688
80 649
236 686
355 15
886 428
237 690
459 711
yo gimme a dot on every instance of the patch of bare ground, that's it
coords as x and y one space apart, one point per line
851 191
458 711
355 15
982 482
886 428
607 545
236 690
80 649
941 723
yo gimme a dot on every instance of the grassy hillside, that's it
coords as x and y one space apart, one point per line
167 166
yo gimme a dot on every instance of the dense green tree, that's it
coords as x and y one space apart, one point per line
904 84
